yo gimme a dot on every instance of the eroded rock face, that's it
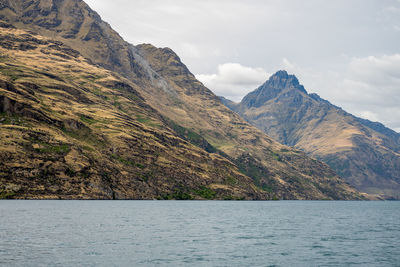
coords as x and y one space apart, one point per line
366 154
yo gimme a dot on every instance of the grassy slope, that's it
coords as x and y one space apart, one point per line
72 130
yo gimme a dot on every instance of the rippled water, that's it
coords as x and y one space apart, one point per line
199 233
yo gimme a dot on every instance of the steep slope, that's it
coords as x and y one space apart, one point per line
274 167
72 130
365 153
76 25
169 87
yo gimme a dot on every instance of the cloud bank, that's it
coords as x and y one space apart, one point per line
371 89
234 80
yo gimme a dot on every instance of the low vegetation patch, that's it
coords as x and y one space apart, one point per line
276 156
230 197
177 195
7 195
231 180
147 121
127 162
205 192
88 120
11 119
53 148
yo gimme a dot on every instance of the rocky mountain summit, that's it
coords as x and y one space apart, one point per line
272 88
365 153
135 115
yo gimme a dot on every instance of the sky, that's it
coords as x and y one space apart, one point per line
347 51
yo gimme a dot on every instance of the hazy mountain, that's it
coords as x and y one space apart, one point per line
365 153
177 105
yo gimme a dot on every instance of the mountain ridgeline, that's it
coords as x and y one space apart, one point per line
365 153
87 115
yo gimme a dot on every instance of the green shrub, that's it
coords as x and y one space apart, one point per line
177 195
205 192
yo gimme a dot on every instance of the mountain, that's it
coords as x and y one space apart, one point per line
179 104
72 130
365 153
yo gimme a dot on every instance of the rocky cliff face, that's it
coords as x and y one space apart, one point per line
190 111
366 154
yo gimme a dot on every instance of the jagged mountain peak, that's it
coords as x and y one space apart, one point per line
283 75
282 80
277 83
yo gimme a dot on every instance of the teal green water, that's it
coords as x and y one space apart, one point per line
199 233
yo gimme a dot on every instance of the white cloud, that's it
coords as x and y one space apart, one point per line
372 85
287 65
234 80
384 70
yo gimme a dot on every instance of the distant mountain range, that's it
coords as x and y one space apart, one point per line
87 115
365 153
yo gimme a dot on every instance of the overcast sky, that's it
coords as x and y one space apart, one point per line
347 51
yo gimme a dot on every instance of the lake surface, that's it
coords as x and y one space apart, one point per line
199 233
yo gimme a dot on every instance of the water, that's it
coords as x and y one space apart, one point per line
199 233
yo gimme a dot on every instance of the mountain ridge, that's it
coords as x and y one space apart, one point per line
365 153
